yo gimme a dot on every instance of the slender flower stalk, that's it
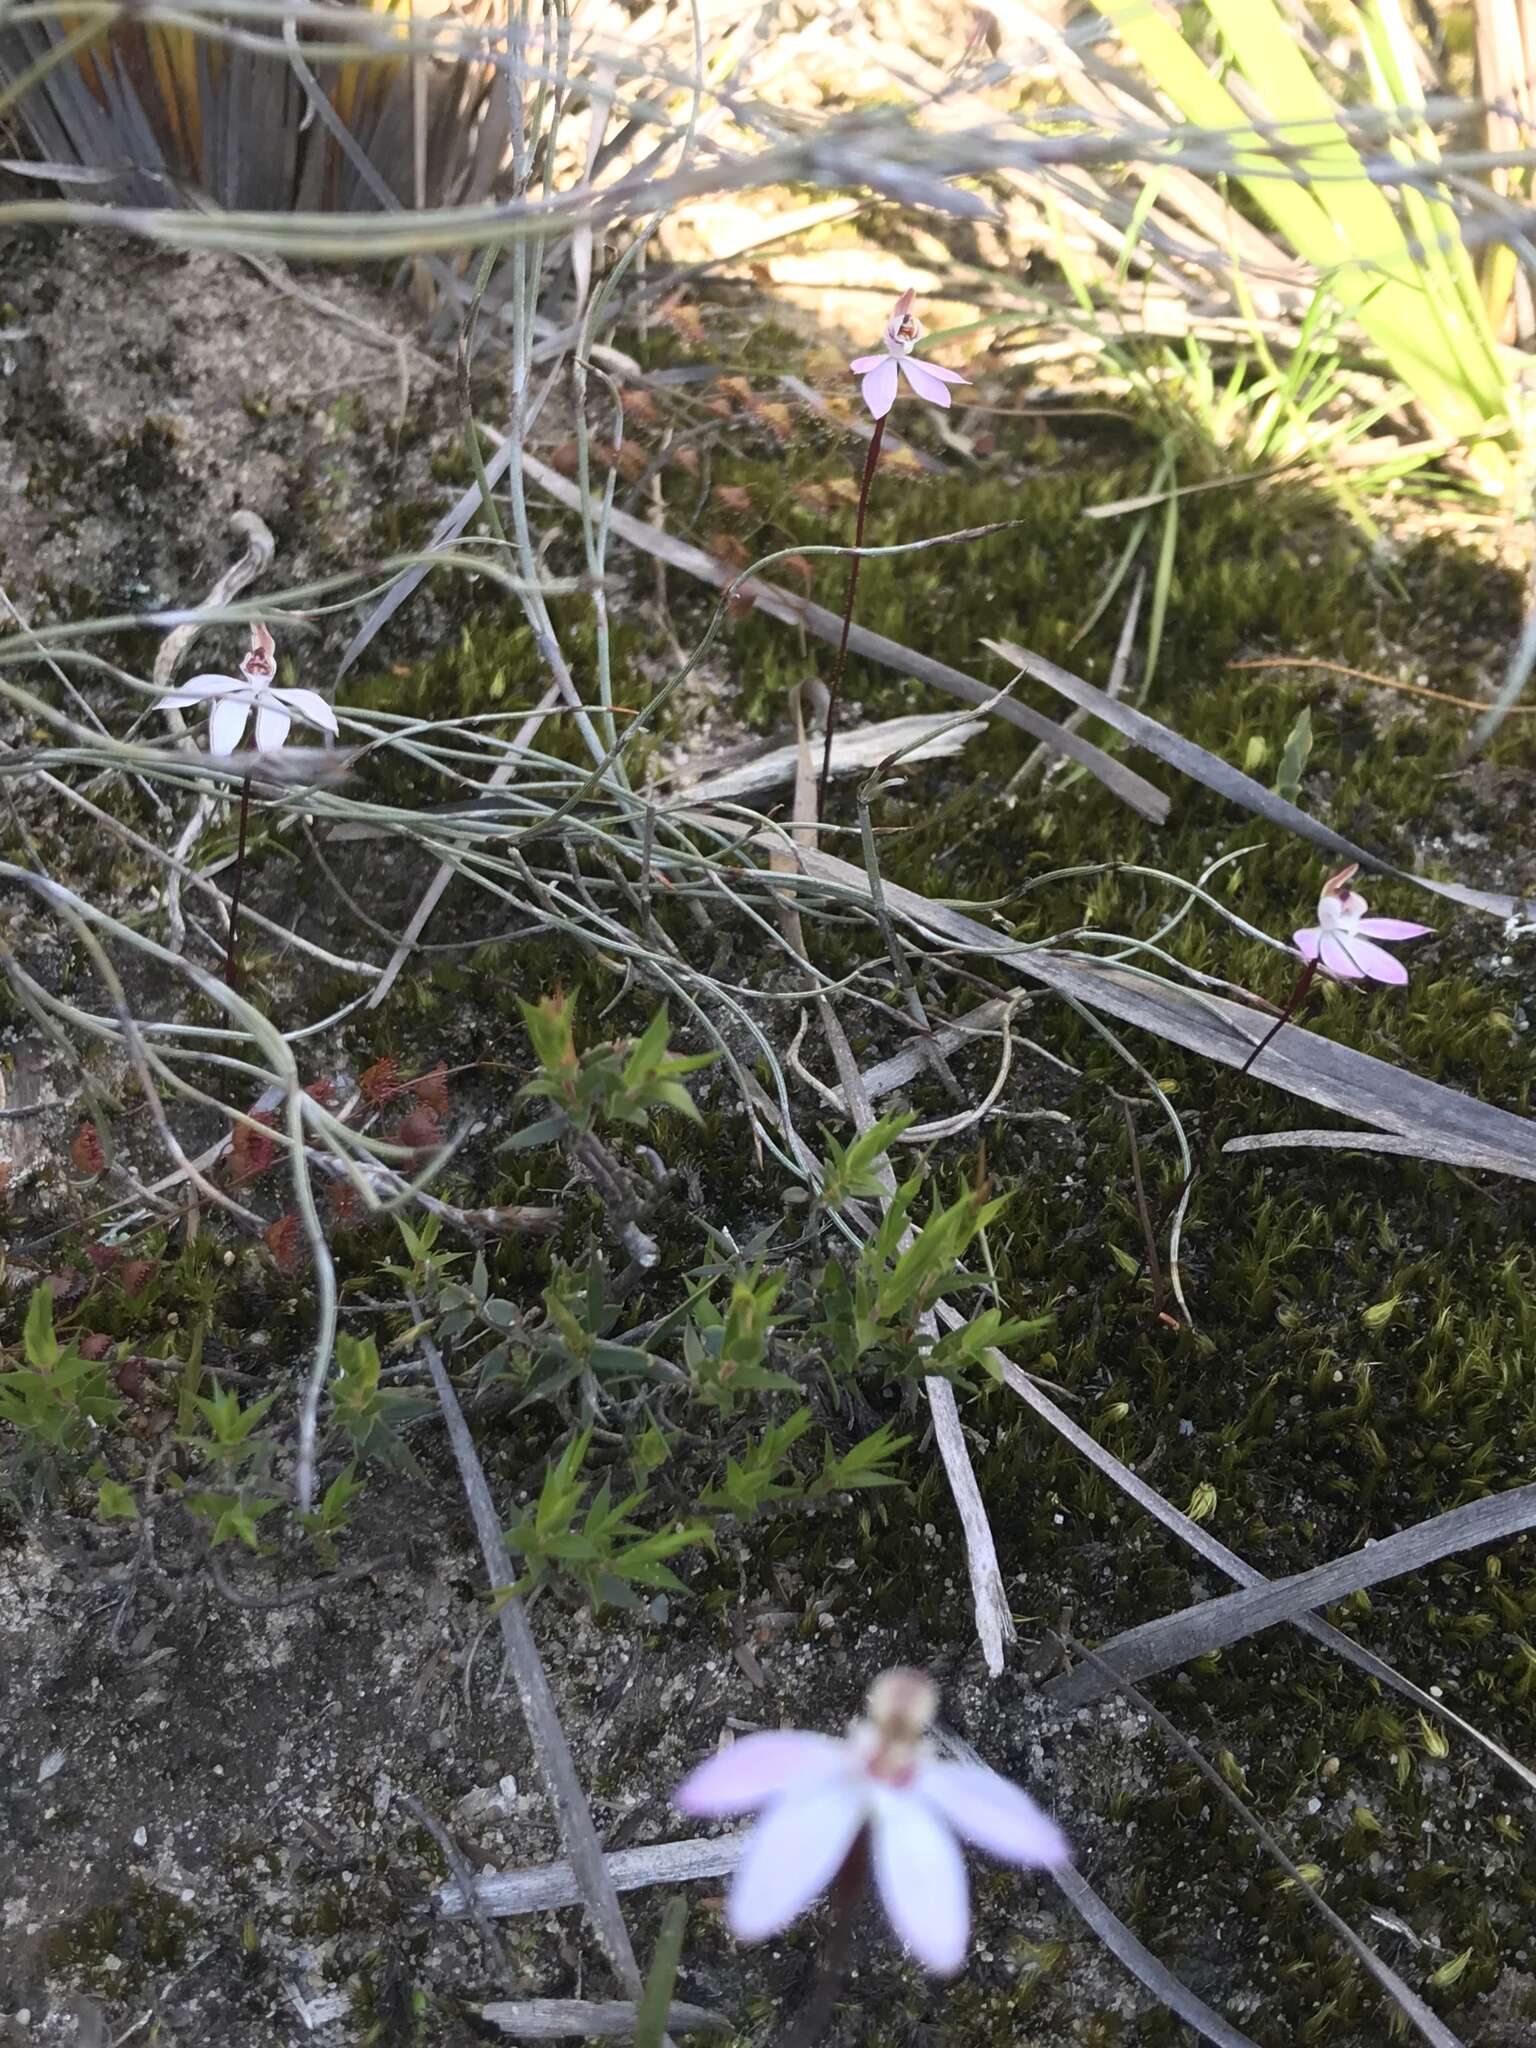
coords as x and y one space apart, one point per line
835 691
232 950
880 378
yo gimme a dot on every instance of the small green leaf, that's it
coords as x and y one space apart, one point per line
1447 1974
1380 1313
656 1999
1293 758
116 1503
1202 1502
37 1338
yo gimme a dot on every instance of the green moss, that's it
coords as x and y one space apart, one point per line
118 1947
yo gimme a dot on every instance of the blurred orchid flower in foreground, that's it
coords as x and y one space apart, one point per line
1341 940
823 1802
234 698
880 374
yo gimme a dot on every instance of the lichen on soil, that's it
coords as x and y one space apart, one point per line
200 1807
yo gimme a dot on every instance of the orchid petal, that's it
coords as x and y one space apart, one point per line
1307 942
862 365
1392 928
757 1769
994 1814
226 727
196 688
921 1875
880 388
920 376
1337 961
272 724
311 707
793 1853
938 370
1377 962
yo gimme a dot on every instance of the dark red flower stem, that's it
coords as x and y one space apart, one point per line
835 692
1297 997
814 2017
232 956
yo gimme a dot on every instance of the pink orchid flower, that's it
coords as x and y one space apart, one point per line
236 697
821 1799
1341 940
881 374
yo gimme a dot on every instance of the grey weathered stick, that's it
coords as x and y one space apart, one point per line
936 735
506 1893
1422 1145
790 610
1231 782
556 1763
587 2019
1213 1625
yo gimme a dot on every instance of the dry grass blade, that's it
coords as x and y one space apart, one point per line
590 2019
928 736
553 1752
1231 783
1423 1145
1233 1617
1521 662
1152 1975
505 1894
826 625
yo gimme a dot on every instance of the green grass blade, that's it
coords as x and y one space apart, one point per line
656 1999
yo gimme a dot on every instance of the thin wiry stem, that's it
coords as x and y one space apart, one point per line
835 688
232 957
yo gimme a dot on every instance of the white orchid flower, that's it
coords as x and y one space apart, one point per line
821 1800
234 698
1342 939
880 375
